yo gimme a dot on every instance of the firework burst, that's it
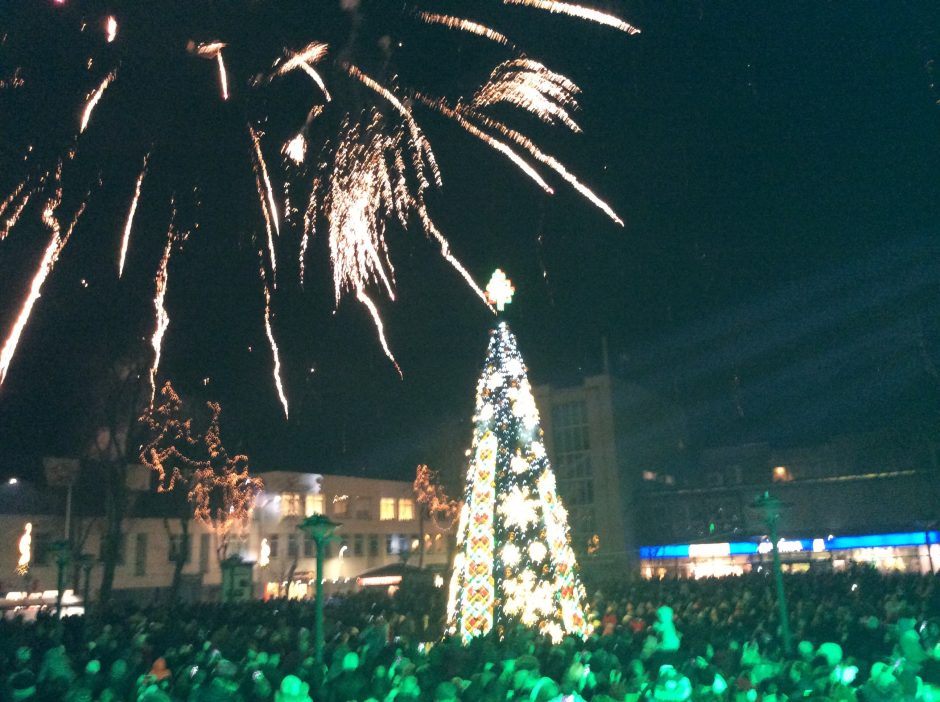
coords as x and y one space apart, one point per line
347 132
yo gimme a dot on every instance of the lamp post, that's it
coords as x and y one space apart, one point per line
87 562
770 505
319 528
62 550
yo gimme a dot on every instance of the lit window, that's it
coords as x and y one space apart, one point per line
340 505
314 505
290 504
387 509
406 509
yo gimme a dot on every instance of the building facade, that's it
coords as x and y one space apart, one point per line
870 498
380 525
601 435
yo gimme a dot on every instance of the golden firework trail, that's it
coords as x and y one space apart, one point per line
310 224
11 197
431 229
500 146
275 352
125 241
373 310
223 75
360 200
263 166
259 186
304 61
545 158
579 11
94 98
159 306
7 225
530 86
50 256
465 25
213 50
422 151
417 136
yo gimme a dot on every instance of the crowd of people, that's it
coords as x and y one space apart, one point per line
857 636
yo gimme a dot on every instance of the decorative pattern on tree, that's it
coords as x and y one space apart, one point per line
514 560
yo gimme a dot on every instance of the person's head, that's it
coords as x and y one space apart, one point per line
446 692
351 661
544 690
293 689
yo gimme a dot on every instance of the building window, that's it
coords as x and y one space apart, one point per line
204 547
274 543
140 555
358 545
179 548
573 453
406 509
391 544
293 546
341 505
313 504
363 508
309 547
387 508
290 504
373 544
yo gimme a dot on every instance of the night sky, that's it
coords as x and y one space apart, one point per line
777 166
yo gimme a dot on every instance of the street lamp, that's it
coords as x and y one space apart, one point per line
319 528
87 562
63 552
770 506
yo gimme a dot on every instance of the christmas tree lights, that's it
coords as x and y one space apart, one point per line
514 563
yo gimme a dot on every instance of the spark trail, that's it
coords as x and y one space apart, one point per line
50 257
465 25
275 352
159 305
500 146
579 11
94 98
545 158
125 241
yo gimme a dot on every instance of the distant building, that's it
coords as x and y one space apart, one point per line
880 486
602 436
381 525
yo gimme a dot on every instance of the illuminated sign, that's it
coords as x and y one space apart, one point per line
817 545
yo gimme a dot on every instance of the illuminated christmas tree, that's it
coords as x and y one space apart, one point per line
514 560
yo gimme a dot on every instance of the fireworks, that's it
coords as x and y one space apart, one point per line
578 11
463 25
159 305
93 99
130 217
355 150
50 256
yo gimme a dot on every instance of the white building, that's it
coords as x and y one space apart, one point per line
380 525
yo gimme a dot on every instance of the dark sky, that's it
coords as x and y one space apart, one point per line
777 166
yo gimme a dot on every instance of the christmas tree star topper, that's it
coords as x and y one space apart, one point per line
499 290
